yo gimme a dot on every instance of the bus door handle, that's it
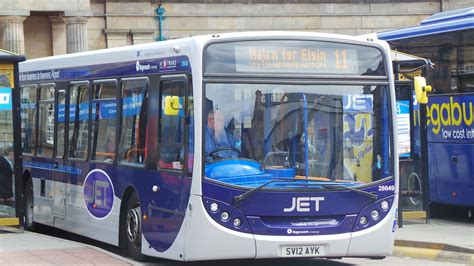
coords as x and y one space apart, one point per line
454 158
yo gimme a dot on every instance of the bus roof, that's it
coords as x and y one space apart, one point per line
455 20
132 52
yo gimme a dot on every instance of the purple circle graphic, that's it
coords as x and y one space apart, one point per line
98 194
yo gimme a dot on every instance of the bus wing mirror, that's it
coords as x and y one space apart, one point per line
421 89
172 105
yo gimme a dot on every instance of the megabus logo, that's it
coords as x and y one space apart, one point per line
451 117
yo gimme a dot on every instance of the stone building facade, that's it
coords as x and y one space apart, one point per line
39 28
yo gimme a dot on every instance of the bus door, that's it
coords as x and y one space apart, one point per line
49 172
409 148
165 207
11 198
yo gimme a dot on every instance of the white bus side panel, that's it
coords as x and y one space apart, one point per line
78 220
206 239
377 240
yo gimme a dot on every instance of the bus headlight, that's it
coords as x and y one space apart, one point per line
214 207
374 214
225 216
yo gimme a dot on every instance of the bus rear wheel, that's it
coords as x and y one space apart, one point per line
132 229
29 205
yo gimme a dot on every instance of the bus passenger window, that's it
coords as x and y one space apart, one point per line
46 121
61 124
171 128
78 121
134 122
104 110
28 118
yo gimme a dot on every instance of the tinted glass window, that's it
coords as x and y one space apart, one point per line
453 56
103 128
78 121
61 124
46 121
28 118
134 122
171 129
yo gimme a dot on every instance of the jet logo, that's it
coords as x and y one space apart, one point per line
304 204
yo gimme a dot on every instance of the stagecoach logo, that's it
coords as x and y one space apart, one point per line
98 194
304 204
142 67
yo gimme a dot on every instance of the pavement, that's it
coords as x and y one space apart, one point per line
439 240
33 248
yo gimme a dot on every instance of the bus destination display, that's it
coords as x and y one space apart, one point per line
300 59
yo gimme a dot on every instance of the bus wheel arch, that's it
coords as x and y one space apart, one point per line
131 225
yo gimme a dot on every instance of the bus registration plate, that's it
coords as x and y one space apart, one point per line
302 251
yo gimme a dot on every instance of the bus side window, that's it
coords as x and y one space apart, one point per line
28 118
61 122
78 121
134 122
46 121
171 127
104 110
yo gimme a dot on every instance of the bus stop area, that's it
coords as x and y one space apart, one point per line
439 240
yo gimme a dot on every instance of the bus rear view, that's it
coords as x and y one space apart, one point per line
297 150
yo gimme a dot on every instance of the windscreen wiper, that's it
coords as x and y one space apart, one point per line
243 196
371 195
246 194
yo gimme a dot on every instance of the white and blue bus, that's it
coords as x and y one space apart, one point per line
242 145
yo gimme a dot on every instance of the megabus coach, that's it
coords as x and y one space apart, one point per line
242 145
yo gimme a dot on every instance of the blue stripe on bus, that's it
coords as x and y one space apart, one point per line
51 167
149 66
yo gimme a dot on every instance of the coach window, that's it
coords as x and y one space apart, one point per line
134 121
171 128
78 121
104 110
46 121
61 124
28 118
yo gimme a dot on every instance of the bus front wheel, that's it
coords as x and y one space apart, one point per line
133 228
